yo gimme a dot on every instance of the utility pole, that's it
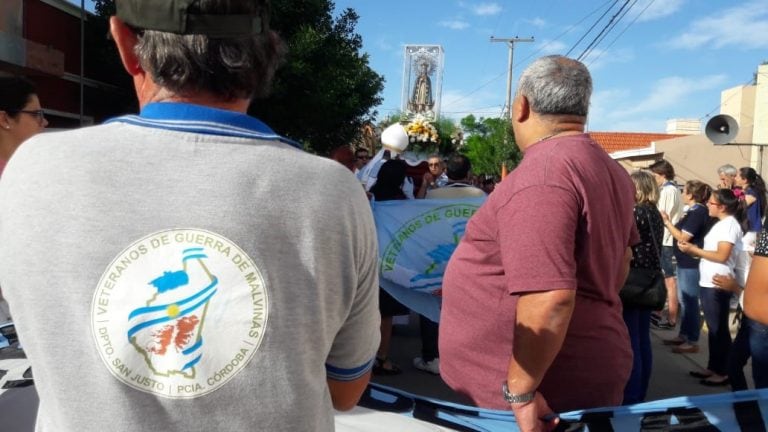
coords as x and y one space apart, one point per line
511 45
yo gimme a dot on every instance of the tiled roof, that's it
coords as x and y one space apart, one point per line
621 141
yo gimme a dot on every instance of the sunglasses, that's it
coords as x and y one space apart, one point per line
363 158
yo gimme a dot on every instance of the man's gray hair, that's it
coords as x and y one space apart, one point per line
556 85
728 170
229 68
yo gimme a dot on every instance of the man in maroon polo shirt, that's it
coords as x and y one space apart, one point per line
531 301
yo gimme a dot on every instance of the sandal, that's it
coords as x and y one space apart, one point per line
709 383
701 375
384 366
673 341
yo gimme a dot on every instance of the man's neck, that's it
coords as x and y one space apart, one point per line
548 127
149 92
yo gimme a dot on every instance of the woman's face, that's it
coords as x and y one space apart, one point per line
740 181
687 197
25 123
714 207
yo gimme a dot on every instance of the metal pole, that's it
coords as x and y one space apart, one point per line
82 60
508 103
511 45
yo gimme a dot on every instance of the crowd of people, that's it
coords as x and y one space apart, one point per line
716 237
127 237
713 234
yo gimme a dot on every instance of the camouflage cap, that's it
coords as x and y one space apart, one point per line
181 17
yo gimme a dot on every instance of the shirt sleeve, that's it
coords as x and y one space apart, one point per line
694 223
354 348
665 200
541 223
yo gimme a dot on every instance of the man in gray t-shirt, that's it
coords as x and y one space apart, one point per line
161 275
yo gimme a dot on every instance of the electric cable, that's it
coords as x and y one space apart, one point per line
622 32
613 26
580 57
591 28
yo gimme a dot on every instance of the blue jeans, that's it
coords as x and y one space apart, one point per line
638 323
751 340
716 304
688 291
668 261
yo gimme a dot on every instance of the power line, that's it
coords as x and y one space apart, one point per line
591 28
718 106
622 32
568 30
589 51
594 41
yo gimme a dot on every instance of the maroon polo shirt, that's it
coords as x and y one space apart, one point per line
561 220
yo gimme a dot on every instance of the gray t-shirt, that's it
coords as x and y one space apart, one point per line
186 274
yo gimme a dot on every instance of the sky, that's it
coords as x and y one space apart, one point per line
664 59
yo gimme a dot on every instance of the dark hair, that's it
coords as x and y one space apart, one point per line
699 191
663 168
733 206
343 155
230 68
458 167
389 181
756 182
15 93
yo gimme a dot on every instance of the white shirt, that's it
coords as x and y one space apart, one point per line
670 202
726 230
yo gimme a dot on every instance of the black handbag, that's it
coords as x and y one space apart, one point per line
644 288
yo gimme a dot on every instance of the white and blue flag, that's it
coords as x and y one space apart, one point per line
416 240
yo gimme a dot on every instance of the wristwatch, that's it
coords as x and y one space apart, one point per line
516 398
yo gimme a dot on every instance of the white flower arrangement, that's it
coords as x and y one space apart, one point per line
421 130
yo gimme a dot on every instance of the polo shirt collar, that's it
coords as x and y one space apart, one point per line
191 118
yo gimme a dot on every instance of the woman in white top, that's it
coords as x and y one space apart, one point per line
721 253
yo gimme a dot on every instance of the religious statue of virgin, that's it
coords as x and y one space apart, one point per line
421 98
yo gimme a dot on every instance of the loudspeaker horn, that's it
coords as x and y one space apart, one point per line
721 129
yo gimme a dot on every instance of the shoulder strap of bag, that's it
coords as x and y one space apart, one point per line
653 238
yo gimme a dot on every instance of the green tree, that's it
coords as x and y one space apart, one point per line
325 90
488 143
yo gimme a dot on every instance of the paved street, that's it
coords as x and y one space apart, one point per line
669 376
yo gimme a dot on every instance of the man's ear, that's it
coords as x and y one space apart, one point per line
126 40
521 109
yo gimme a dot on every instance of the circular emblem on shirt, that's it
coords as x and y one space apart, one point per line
179 313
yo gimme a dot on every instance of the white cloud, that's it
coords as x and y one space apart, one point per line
619 109
668 90
549 46
537 22
599 58
484 9
454 24
383 44
656 9
602 117
744 26
459 104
